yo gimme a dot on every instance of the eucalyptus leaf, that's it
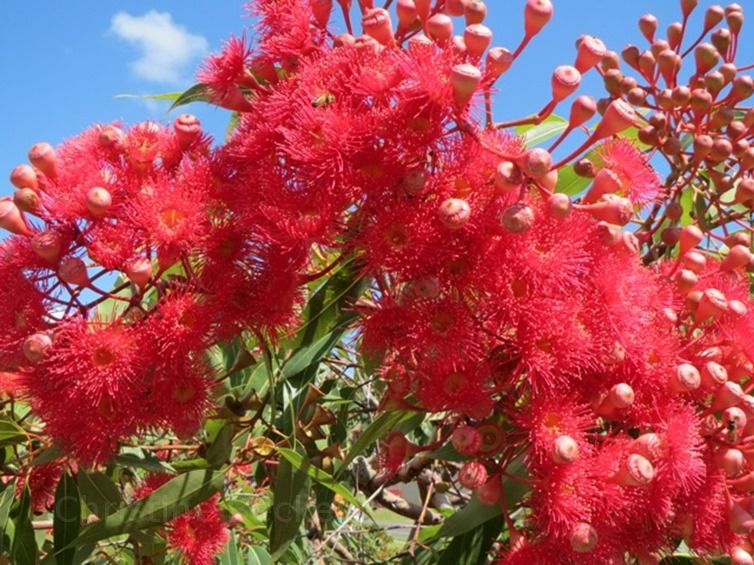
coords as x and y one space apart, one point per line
172 499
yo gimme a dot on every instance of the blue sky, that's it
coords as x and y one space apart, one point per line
65 61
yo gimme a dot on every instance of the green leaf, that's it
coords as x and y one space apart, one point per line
66 519
258 556
100 494
235 119
163 96
471 516
327 304
6 501
289 505
569 182
220 450
24 548
471 548
301 463
189 464
384 422
310 355
48 455
172 499
231 556
197 93
687 202
10 432
145 461
535 134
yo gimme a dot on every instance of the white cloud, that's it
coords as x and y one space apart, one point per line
167 49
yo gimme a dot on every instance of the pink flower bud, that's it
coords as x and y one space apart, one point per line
745 191
406 10
508 177
559 206
139 271
47 245
111 137
691 236
739 556
730 460
706 57
648 445
98 201
564 82
694 261
23 176
466 440
188 128
414 182
27 200
72 270
635 472
739 519
606 182
489 492
611 208
518 218
536 162
737 258
590 52
686 280
619 116
608 233
582 110
737 308
419 41
712 305
477 38
565 450
729 394
376 23
713 375
233 99
455 7
43 157
12 219
465 79
648 26
734 418
440 28
454 213
621 396
36 346
583 538
499 60
475 12
685 379
536 15
549 181
472 475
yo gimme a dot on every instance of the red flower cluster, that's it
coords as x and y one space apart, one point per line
198 535
527 319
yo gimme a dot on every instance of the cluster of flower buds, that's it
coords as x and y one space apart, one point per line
527 318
